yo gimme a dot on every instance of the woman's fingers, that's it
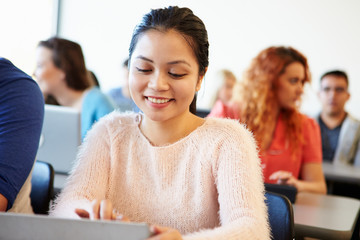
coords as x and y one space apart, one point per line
95 208
106 210
82 213
101 210
281 175
164 233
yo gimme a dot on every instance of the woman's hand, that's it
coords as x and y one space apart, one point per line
164 233
102 210
312 178
285 178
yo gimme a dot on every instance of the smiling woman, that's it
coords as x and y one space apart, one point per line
200 178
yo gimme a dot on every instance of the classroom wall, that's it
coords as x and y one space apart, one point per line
326 31
23 24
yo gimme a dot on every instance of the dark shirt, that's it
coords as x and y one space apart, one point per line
329 139
21 119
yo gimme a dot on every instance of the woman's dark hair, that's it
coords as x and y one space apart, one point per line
186 23
68 56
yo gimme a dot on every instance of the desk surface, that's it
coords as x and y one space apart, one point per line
325 216
341 173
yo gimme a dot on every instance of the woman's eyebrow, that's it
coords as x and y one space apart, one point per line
144 58
179 61
170 63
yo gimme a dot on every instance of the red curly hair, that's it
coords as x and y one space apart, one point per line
257 96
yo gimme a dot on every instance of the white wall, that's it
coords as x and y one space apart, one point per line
22 24
326 31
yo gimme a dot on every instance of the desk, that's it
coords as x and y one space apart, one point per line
325 216
341 173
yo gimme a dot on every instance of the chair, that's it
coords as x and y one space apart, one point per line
42 187
281 216
202 112
286 190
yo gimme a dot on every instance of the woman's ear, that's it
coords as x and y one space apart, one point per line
201 77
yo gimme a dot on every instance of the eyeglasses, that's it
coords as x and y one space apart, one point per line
337 90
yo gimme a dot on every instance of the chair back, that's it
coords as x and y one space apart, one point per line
42 187
286 190
281 216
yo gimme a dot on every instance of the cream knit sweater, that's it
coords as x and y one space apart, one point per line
207 185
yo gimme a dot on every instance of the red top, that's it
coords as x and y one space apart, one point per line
278 156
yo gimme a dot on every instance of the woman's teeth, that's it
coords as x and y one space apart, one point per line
157 100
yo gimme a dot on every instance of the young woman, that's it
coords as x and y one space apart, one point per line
61 73
267 101
226 81
200 179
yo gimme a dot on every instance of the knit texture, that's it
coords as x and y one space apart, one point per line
207 185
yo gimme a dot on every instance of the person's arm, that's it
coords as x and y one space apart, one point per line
3 203
89 176
357 152
21 118
313 179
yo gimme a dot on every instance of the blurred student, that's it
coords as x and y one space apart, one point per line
267 101
61 72
227 81
121 95
199 178
340 132
21 119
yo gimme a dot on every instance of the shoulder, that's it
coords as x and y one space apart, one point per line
352 119
117 122
95 93
225 111
95 97
309 123
227 129
115 92
19 91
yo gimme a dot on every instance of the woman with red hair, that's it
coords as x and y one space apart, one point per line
267 100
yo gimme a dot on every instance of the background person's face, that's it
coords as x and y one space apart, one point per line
46 73
333 94
290 86
226 90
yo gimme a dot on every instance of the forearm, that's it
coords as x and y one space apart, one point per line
244 228
3 203
312 186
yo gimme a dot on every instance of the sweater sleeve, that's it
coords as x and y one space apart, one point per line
243 213
89 177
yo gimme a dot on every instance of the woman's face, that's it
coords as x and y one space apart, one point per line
163 75
290 85
48 76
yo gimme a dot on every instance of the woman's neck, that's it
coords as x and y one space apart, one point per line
170 131
69 97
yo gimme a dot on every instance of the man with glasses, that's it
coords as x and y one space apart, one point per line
340 132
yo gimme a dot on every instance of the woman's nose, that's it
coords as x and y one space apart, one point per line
159 82
300 88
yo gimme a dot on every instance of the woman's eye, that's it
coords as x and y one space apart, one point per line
143 70
176 75
294 80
